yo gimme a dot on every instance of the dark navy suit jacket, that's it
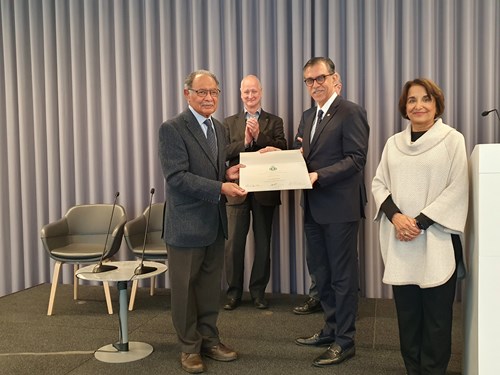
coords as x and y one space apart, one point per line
338 154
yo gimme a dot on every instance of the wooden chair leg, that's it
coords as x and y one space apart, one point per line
75 282
133 292
152 288
55 278
107 294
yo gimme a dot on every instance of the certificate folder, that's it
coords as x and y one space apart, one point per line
274 170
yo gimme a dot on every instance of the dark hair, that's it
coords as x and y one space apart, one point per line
315 60
432 90
188 82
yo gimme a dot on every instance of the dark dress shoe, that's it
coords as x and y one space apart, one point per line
220 352
232 303
310 306
334 355
192 363
315 340
261 303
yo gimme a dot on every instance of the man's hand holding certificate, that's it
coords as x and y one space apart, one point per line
275 170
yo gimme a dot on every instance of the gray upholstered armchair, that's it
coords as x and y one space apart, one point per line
79 238
154 247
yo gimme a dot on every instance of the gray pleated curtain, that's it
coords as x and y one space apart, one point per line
84 86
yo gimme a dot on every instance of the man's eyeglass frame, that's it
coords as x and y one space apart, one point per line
320 79
203 93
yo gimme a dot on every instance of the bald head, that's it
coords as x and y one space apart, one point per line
251 93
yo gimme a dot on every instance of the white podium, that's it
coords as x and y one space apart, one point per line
482 299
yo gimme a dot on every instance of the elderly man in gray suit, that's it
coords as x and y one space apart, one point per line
192 155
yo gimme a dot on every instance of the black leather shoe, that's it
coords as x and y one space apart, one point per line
310 306
232 303
334 355
261 303
315 340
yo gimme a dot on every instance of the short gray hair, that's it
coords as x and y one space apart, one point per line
188 82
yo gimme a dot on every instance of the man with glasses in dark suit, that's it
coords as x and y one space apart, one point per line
313 304
333 136
192 155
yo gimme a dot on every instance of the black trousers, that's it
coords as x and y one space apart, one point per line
425 317
332 258
238 217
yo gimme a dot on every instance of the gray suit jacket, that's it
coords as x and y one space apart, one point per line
194 206
338 153
271 134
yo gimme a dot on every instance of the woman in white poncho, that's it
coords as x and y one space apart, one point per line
421 195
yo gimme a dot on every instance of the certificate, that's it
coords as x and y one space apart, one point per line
274 170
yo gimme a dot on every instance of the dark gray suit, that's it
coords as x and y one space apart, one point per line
194 227
261 204
333 209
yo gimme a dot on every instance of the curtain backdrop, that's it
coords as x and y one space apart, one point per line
84 86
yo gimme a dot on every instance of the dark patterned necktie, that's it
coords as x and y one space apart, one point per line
318 120
212 142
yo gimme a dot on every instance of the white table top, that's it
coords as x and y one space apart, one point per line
124 272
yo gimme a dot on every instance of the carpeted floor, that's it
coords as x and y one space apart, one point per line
33 343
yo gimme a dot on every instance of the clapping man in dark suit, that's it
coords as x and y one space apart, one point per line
250 130
334 139
192 155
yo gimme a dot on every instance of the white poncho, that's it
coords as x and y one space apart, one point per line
429 176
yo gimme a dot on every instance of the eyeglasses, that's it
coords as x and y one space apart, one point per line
202 93
320 79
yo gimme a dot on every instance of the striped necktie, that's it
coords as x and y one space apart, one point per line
212 142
